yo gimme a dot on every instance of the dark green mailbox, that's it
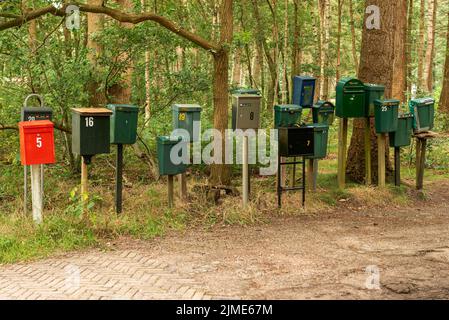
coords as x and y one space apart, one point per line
372 92
184 115
123 123
323 113
386 115
90 131
287 115
403 136
321 135
350 98
166 165
424 114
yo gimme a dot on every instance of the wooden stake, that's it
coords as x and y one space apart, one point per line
315 174
397 166
245 172
310 171
420 162
381 142
342 146
170 191
368 180
36 193
182 178
119 179
84 184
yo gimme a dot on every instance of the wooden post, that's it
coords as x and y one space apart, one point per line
397 166
36 193
84 183
183 182
381 142
420 162
342 146
170 191
245 173
368 180
310 171
315 174
119 179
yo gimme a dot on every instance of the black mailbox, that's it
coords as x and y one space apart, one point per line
35 113
296 141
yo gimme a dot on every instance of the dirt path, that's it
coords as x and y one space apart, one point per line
304 257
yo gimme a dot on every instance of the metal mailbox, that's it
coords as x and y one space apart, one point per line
350 98
403 136
323 113
287 115
372 92
184 115
36 142
35 113
245 111
320 138
424 113
123 128
386 115
303 91
90 131
164 148
296 141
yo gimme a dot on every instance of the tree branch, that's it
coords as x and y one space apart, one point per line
56 126
119 16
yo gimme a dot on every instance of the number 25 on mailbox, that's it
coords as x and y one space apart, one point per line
36 142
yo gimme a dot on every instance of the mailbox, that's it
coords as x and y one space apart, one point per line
424 113
296 141
350 98
287 115
386 115
323 113
35 113
245 111
164 148
37 144
303 91
90 131
183 117
123 123
372 92
320 138
403 136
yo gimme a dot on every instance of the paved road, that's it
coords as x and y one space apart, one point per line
351 254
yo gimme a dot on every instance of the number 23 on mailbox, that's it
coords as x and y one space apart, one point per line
36 142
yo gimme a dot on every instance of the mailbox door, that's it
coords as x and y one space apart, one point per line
354 103
307 93
37 144
295 142
123 127
248 109
91 134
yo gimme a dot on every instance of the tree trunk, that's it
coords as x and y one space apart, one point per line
324 10
353 37
285 91
237 68
430 52
420 52
409 48
296 50
221 173
337 68
444 98
379 63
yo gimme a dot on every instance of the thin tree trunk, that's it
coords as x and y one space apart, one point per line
284 57
409 48
353 37
297 51
421 47
430 53
444 98
337 69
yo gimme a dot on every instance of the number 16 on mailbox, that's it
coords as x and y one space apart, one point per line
36 142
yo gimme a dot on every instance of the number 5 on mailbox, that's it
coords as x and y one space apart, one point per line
36 142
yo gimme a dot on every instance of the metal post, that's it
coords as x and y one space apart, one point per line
119 179
25 189
397 166
245 174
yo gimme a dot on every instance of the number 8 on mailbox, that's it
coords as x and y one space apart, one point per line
36 142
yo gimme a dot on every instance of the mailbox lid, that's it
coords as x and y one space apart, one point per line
123 123
36 113
93 112
246 91
36 142
186 108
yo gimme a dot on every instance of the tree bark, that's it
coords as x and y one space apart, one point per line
381 53
296 50
337 68
444 98
353 37
409 48
324 10
430 52
420 51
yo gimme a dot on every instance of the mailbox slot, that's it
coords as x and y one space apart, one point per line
90 131
36 142
245 111
123 123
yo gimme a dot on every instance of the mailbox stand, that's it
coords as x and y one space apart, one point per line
342 149
421 146
281 189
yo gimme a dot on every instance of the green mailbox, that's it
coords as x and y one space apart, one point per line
287 115
123 123
424 113
350 98
323 113
90 131
164 148
184 115
372 92
386 115
403 136
321 135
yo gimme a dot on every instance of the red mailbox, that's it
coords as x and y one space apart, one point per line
37 144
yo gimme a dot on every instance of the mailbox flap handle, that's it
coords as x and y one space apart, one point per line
38 96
